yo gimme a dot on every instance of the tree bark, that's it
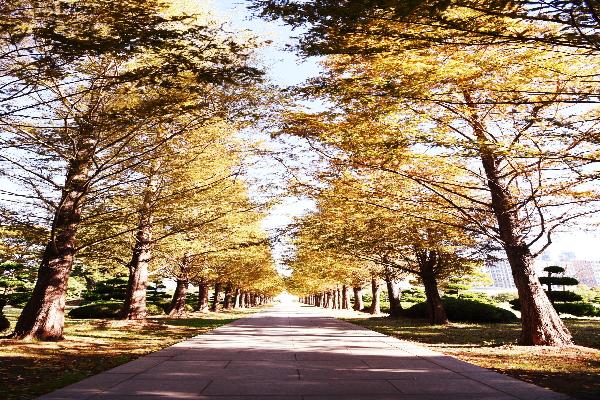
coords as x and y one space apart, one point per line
43 316
435 308
214 307
203 296
177 308
135 300
358 299
334 300
394 297
345 298
237 299
228 298
540 323
376 292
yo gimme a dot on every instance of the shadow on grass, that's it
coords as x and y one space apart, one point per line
31 368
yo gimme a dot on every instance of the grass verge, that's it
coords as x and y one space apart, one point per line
29 369
572 370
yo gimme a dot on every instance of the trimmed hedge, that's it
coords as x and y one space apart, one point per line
107 309
465 310
578 309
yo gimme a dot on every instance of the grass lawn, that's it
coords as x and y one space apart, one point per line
29 369
573 370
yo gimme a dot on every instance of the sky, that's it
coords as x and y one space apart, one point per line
285 68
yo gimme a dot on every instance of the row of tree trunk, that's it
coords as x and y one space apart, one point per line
226 295
339 298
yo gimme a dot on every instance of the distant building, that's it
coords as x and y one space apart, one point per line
500 273
586 271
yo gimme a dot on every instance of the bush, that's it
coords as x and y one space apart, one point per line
413 295
104 291
504 297
564 295
475 296
465 310
107 309
579 309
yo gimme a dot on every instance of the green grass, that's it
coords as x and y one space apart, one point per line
31 368
573 370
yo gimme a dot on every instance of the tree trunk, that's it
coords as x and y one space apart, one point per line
345 298
135 299
338 296
435 308
228 299
376 292
540 323
334 300
358 299
43 316
394 297
214 307
202 296
177 308
247 300
237 300
242 299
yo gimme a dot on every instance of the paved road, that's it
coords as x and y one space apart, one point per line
295 353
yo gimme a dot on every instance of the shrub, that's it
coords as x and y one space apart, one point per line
465 310
579 309
110 289
413 295
476 296
564 295
504 297
107 309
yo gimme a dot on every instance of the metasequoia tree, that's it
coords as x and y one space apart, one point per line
502 109
390 222
81 103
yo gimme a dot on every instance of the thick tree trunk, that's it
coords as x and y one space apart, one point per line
345 298
247 300
135 299
177 308
203 296
228 299
376 292
394 297
358 299
540 323
44 314
437 314
338 296
214 307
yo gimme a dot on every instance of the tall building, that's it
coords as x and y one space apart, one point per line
586 271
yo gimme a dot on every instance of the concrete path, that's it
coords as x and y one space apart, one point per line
295 353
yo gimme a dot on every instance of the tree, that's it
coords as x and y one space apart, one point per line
370 218
100 113
496 102
552 280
